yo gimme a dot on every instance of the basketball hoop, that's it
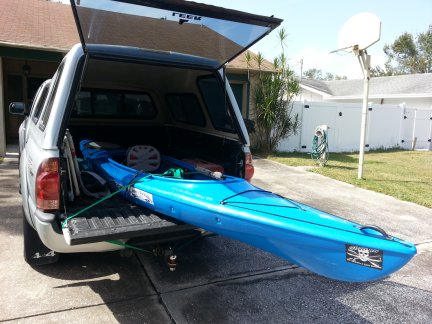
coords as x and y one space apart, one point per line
359 32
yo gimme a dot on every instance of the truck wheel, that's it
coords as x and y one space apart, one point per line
35 252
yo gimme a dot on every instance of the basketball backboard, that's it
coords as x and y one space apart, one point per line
360 31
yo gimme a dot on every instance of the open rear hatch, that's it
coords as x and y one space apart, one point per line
179 26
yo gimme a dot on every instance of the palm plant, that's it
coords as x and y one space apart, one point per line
273 97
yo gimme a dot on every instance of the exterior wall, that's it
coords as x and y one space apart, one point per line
306 95
2 109
253 79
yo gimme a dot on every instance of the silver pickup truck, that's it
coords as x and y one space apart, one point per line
151 75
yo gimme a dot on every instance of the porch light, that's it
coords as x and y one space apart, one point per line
26 69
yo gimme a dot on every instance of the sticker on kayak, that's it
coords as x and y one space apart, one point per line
364 256
142 195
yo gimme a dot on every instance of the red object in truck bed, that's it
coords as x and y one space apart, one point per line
205 165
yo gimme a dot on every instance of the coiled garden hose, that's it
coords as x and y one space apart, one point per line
320 152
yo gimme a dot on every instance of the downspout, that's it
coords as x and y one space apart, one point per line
248 96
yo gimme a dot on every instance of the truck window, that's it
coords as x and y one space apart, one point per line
185 108
51 97
138 105
107 104
214 98
39 102
113 104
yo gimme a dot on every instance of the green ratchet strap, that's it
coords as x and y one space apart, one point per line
64 224
129 246
177 173
175 249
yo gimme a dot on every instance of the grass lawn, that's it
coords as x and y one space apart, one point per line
406 175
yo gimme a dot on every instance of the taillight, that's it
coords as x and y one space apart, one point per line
249 168
48 185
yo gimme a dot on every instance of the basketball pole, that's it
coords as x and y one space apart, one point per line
364 60
363 29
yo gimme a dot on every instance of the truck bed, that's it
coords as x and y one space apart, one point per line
117 218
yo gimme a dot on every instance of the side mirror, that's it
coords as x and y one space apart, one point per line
18 108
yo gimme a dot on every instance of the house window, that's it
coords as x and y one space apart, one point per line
238 90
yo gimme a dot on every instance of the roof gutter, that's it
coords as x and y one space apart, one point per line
379 96
34 47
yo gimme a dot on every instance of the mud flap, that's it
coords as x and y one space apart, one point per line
35 252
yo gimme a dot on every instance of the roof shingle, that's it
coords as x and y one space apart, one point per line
37 24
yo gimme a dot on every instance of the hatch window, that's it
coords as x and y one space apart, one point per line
214 98
179 26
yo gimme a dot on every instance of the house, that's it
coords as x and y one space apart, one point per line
413 90
36 34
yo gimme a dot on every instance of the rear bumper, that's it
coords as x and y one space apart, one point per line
56 241
83 236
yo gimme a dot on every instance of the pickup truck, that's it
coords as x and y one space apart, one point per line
148 74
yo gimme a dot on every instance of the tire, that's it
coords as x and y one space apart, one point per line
35 252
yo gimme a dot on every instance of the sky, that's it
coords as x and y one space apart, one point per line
313 27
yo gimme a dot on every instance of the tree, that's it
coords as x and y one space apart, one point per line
339 77
315 74
407 55
273 96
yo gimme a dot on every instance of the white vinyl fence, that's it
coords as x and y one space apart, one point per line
389 126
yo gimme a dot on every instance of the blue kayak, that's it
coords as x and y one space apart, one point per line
320 242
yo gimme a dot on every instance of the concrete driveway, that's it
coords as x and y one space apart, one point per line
219 280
